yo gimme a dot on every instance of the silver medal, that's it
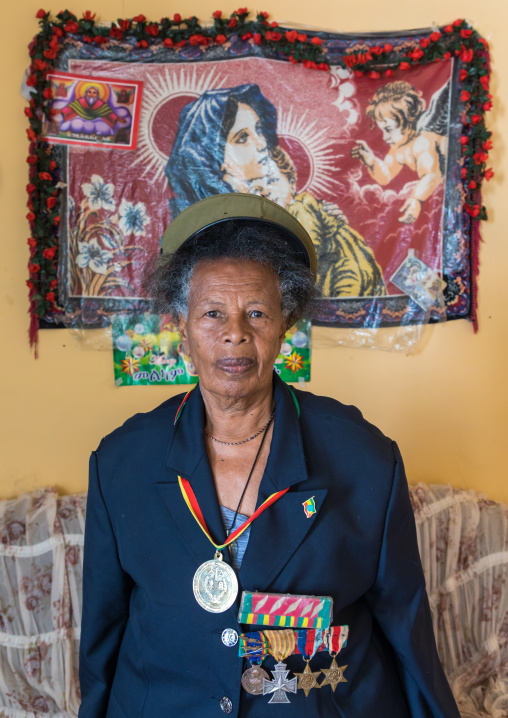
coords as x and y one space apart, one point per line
215 585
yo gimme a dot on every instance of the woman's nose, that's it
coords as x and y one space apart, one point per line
236 330
259 142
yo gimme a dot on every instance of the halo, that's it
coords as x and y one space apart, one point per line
319 150
176 82
83 85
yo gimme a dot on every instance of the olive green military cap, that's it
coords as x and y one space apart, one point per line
237 205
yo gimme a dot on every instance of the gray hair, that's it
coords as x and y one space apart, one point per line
246 240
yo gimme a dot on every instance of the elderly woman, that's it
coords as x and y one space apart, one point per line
320 494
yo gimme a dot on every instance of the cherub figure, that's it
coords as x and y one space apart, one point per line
417 139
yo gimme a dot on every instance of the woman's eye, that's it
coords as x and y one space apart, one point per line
256 314
213 313
242 138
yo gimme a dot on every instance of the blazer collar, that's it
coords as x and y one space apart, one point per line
286 463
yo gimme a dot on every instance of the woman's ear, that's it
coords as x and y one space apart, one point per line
182 328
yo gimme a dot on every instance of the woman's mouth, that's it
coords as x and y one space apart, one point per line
235 365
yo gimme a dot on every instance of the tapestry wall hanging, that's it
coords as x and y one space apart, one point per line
377 144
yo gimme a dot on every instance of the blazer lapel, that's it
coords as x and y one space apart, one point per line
187 457
277 533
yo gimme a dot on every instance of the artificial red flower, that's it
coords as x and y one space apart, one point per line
302 37
247 36
232 23
50 53
466 55
484 82
50 202
182 43
28 112
471 185
30 188
31 80
40 65
476 119
56 220
32 242
168 42
53 283
293 59
483 42
139 18
435 36
257 38
29 284
142 43
489 174
424 42
463 173
457 23
177 18
220 39
124 25
100 39
34 268
316 41
45 176
389 72
465 95
31 135
217 14
358 73
274 36
464 140
87 15
416 54
291 35
323 66
242 11
404 66
472 209
71 26
50 296
388 48
31 160
487 106
447 55
49 252
374 75
448 29
274 24
195 39
116 33
466 33
40 14
152 30
309 65
487 145
480 157
263 14
57 31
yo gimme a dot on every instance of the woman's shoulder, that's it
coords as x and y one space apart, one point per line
148 427
325 414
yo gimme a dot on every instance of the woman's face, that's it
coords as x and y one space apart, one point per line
246 151
234 327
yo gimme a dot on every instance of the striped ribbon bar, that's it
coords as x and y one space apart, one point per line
285 610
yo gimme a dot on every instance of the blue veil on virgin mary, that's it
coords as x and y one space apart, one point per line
194 167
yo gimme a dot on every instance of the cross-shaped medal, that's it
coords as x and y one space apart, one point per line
280 685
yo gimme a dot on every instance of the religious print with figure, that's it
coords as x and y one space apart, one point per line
370 165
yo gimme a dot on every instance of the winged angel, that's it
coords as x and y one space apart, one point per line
417 137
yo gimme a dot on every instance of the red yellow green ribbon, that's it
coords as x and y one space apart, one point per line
192 503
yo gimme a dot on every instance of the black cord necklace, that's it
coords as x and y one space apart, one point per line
249 478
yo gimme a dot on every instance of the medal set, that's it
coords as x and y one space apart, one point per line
257 645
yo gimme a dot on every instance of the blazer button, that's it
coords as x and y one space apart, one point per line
226 704
229 637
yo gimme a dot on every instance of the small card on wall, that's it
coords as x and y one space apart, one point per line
100 111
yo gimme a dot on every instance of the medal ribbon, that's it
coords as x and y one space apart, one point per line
280 643
309 641
253 646
192 503
336 638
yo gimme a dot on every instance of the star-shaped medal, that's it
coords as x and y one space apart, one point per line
333 675
308 680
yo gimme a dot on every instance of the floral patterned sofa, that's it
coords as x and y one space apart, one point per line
463 541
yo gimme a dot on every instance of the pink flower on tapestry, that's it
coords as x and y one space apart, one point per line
72 555
15 530
32 665
31 603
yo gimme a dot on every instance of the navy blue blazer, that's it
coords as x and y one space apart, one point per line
148 650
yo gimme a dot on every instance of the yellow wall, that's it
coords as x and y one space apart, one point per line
446 405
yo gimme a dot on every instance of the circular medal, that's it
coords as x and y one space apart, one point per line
252 680
215 585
